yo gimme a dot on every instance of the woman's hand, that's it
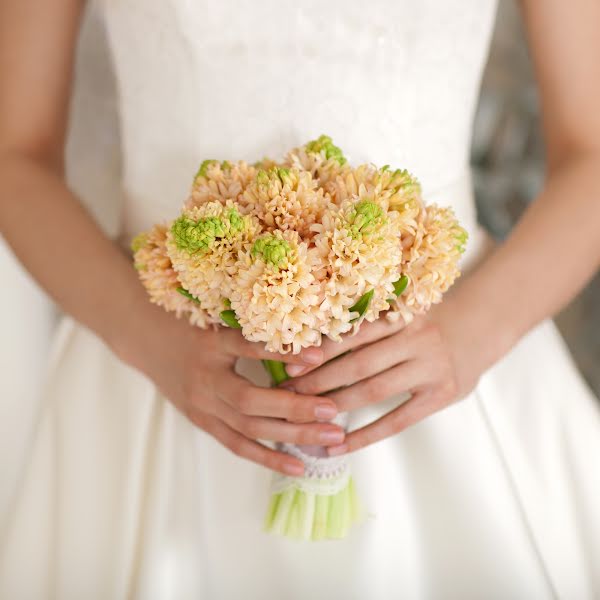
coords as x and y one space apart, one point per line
194 369
387 359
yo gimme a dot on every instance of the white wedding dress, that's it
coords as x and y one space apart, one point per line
109 493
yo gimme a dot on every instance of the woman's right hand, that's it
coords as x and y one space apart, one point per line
195 370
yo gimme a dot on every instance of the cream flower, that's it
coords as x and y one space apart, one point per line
402 190
351 183
275 295
285 199
203 244
220 181
430 260
398 188
160 279
358 244
320 157
307 247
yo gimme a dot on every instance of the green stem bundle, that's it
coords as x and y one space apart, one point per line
299 510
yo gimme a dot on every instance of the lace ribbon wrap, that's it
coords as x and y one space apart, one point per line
322 504
323 475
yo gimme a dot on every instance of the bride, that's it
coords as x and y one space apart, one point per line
131 481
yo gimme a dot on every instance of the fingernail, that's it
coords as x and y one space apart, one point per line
295 370
331 437
313 356
337 450
325 412
286 385
293 468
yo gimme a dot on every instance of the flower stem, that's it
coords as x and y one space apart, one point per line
276 369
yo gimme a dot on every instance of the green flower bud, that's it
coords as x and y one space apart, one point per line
282 173
196 236
262 177
273 250
139 241
461 236
325 144
199 236
402 180
202 171
365 218
236 221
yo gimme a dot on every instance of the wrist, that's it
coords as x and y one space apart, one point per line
479 330
134 327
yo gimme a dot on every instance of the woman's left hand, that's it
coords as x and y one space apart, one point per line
387 359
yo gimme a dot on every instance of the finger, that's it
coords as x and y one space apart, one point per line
278 430
249 449
251 400
368 333
402 378
233 343
412 411
355 366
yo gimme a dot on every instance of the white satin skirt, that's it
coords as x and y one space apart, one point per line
110 493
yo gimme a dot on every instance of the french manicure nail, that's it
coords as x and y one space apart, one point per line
331 437
337 450
293 469
295 370
325 412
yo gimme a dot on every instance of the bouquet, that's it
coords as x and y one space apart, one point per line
289 252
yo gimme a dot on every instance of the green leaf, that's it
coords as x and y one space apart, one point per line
229 318
185 293
400 285
361 306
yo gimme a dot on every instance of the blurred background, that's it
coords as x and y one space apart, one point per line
508 165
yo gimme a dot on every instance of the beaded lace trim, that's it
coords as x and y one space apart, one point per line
323 475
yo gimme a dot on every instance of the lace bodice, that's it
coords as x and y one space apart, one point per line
392 81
